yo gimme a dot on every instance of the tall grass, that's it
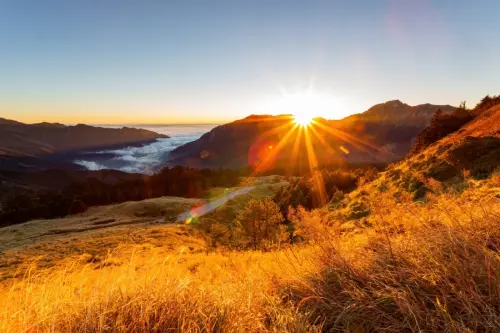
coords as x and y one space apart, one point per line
430 267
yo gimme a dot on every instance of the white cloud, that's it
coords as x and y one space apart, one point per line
91 165
144 159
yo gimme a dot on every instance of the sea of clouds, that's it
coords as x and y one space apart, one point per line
145 159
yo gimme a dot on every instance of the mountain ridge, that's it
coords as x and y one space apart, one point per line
43 145
384 133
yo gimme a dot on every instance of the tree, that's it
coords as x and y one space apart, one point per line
260 223
306 226
77 206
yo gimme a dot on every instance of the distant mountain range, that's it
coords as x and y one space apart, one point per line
384 133
44 145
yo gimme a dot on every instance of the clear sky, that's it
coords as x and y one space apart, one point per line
117 61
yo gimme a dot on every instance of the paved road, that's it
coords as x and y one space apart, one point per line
207 208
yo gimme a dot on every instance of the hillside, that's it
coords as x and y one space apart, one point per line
409 268
39 145
473 150
382 134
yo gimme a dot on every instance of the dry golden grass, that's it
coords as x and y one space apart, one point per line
95 232
413 267
118 227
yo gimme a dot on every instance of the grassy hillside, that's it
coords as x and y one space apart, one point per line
473 152
422 268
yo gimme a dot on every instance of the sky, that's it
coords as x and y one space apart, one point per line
145 62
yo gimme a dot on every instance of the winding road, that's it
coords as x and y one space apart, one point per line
208 207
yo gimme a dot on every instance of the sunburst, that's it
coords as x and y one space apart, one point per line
302 119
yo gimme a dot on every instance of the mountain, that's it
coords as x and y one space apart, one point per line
474 149
397 112
471 151
42 145
384 133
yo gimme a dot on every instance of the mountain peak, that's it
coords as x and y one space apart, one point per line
395 102
4 121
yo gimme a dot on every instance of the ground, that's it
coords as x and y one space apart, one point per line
119 228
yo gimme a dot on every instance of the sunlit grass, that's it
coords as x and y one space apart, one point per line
431 267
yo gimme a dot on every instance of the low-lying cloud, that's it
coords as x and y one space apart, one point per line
145 159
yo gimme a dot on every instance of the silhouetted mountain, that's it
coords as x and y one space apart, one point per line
398 113
382 134
42 145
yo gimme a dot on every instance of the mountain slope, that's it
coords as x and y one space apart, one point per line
382 134
472 151
46 138
24 145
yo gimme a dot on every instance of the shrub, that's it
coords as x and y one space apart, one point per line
260 224
357 210
305 225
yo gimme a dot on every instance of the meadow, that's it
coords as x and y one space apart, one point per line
410 266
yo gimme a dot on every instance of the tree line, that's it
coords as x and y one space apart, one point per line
443 124
77 197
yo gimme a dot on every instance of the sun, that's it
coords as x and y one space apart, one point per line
306 106
302 118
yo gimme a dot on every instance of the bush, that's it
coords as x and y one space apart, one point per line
357 210
259 224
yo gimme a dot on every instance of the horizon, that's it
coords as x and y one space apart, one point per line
201 123
192 63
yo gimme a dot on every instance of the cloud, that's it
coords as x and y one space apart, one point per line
145 159
91 165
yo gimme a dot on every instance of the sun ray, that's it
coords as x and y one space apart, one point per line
315 174
272 154
270 132
264 164
296 146
321 139
357 142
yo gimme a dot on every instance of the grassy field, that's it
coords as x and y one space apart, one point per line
407 267
94 233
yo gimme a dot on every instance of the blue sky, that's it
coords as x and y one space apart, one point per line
212 61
